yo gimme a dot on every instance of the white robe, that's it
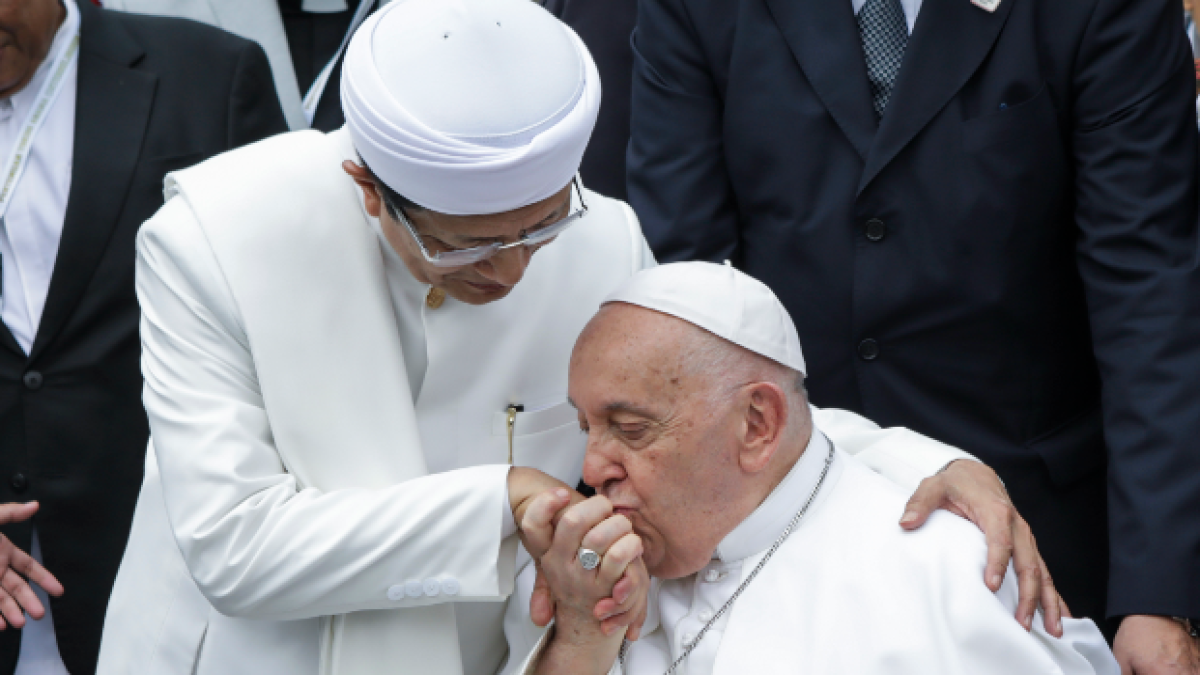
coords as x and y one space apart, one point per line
302 511
850 592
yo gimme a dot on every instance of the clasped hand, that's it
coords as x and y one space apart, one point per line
554 523
609 600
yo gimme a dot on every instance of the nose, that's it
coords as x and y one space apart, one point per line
599 467
506 267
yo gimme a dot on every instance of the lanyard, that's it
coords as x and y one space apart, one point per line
313 97
18 159
14 167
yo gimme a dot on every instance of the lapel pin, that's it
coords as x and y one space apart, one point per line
986 5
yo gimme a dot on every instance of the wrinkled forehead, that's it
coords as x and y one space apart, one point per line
637 349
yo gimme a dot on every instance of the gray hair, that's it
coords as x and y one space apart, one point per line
726 366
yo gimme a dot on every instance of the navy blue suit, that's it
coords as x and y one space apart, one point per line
1006 262
605 27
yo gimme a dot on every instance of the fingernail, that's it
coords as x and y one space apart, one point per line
996 580
561 493
1028 622
1058 625
909 516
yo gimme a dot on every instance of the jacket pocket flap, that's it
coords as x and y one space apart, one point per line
535 421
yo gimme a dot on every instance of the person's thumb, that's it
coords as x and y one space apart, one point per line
928 497
541 603
15 513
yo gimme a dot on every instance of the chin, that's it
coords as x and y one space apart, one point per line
473 295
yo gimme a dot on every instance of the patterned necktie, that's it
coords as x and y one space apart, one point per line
884 34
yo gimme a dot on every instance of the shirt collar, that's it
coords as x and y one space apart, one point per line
762 527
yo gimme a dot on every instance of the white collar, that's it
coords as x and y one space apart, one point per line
762 527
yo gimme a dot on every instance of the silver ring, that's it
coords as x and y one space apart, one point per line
589 558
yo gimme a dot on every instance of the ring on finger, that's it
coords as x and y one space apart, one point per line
589 559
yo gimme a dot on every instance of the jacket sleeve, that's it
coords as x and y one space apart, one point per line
254 111
257 544
677 178
902 456
1135 152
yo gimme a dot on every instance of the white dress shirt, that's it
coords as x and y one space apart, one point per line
911 9
28 248
34 222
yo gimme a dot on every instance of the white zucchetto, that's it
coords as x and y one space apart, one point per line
723 301
470 107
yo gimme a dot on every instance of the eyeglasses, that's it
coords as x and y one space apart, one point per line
461 257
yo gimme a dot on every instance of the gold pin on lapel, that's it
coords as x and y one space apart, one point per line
986 5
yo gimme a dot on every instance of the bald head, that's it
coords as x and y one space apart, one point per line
687 432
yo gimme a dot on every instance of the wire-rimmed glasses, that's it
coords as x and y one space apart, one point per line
462 257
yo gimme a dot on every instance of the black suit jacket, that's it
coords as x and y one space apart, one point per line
605 26
154 95
1029 288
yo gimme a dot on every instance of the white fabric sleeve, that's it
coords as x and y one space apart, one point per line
1081 650
508 522
258 544
898 454
522 635
643 257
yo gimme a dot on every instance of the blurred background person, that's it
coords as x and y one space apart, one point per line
305 41
605 26
988 210
95 107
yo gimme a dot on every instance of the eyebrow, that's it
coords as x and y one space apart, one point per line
488 240
620 406
625 406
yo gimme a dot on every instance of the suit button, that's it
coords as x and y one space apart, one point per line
876 230
413 588
868 350
33 380
19 483
450 586
396 593
432 587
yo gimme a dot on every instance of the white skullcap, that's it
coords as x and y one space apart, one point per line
721 300
470 107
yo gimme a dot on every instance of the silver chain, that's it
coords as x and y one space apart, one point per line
757 568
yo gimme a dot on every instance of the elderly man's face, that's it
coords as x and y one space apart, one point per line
659 446
27 29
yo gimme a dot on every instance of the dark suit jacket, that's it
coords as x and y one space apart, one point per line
1030 291
154 95
605 27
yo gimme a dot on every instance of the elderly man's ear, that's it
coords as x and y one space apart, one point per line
764 428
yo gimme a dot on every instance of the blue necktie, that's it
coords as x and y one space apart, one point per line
884 34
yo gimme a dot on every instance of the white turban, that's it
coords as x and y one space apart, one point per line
723 301
470 107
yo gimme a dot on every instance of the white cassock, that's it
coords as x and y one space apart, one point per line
296 481
850 592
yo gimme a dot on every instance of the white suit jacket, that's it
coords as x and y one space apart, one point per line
849 593
301 513
257 20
